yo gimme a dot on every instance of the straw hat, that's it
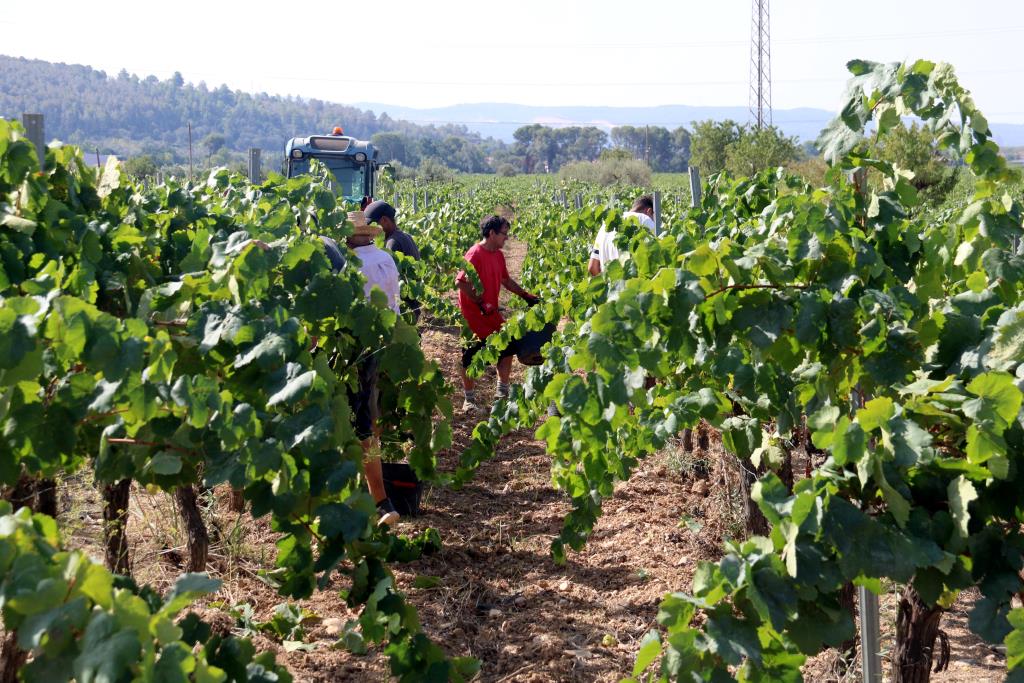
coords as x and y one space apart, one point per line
358 220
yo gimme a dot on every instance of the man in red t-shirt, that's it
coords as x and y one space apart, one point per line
480 309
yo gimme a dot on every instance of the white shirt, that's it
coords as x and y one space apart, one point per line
644 219
605 250
379 269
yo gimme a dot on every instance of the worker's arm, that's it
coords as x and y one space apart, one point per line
513 286
466 288
594 267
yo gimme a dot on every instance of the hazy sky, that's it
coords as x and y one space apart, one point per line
550 52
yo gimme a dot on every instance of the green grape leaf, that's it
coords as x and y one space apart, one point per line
106 651
961 493
650 648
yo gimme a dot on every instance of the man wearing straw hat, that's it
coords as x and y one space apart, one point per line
378 267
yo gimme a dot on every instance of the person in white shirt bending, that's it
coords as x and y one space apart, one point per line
605 251
379 269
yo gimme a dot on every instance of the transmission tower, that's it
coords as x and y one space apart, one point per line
760 66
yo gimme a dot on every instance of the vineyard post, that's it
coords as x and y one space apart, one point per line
687 442
190 150
254 165
415 202
694 187
579 201
870 645
395 202
870 638
657 213
426 200
34 130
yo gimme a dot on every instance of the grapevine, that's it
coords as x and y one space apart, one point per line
167 338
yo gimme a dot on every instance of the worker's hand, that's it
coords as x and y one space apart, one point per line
487 308
531 299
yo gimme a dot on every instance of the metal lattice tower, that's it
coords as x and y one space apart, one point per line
760 66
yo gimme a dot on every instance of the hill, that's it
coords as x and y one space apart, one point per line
127 115
130 116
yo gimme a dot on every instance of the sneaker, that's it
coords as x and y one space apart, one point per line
388 515
469 407
502 391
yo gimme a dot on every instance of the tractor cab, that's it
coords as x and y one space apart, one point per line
353 163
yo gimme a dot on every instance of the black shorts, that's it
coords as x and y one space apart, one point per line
468 353
365 401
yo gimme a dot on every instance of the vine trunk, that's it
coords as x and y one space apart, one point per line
917 628
198 539
115 519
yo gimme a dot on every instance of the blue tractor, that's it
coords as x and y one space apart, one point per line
352 162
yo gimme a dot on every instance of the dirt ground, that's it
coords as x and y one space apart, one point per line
498 596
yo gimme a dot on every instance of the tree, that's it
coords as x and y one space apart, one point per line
536 146
758 149
393 146
141 166
915 149
433 170
616 154
680 150
663 149
708 143
213 143
608 172
629 138
580 143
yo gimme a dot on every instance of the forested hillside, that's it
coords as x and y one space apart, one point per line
127 115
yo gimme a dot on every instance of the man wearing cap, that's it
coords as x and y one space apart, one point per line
378 267
395 240
480 308
605 250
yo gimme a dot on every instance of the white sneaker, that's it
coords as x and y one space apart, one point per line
469 407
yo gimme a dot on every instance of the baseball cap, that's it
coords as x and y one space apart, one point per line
378 209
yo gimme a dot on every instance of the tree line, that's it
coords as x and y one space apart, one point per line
147 121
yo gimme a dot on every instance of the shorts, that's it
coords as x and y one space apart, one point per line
365 401
468 353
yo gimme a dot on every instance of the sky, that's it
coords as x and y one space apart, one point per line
534 52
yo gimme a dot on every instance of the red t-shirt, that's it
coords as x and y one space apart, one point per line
490 268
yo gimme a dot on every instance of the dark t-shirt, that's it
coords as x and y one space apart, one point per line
401 242
334 254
